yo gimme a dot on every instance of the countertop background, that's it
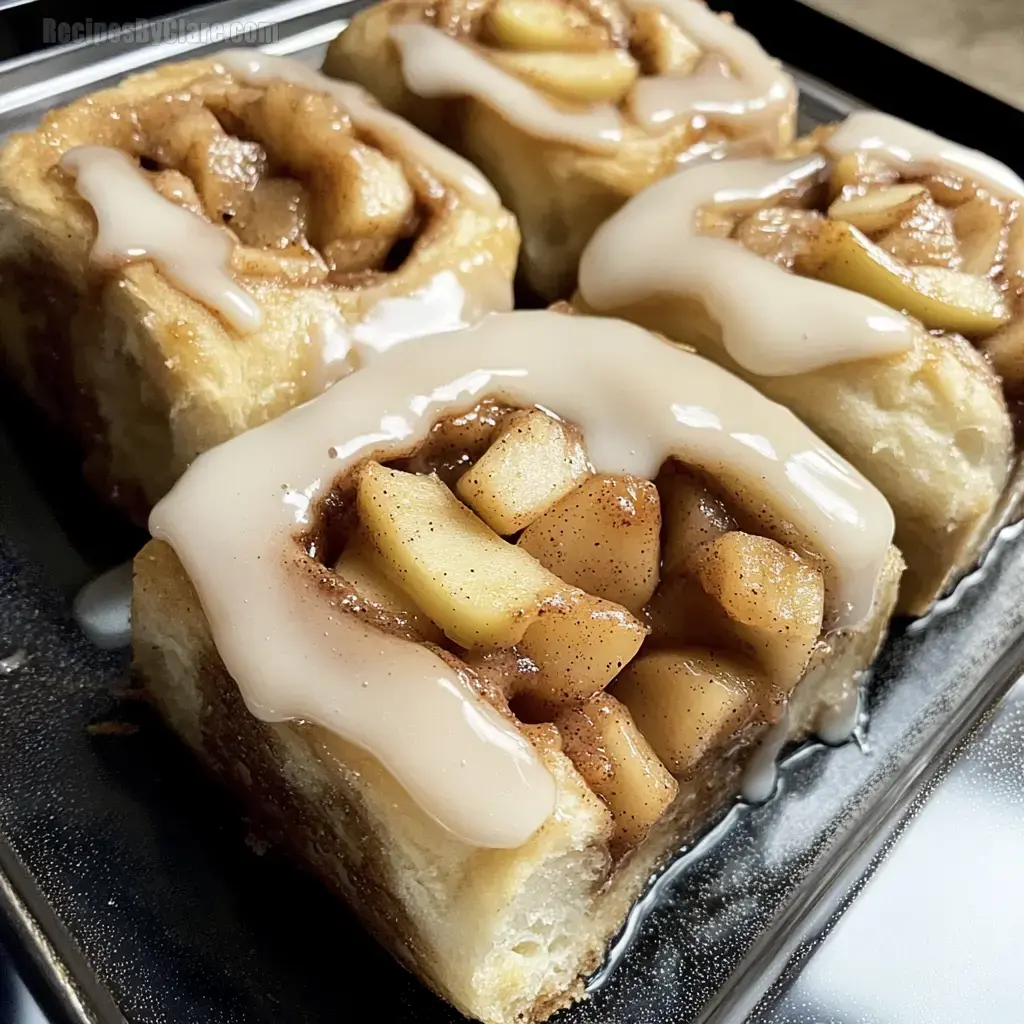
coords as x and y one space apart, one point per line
979 41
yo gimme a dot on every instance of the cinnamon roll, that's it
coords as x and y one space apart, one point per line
570 106
192 252
489 630
872 283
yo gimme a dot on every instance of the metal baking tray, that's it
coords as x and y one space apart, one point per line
132 889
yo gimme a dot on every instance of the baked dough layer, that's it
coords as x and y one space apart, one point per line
508 936
145 377
558 190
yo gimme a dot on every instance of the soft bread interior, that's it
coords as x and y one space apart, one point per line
506 935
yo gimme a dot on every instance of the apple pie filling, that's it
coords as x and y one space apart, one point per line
257 172
303 192
648 620
936 237
590 72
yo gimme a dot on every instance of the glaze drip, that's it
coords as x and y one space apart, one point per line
773 323
234 517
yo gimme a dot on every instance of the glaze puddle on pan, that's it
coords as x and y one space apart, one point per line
135 888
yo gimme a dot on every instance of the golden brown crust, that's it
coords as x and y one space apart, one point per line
508 936
144 376
559 192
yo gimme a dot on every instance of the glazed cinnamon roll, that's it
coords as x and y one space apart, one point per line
195 251
855 283
570 106
517 611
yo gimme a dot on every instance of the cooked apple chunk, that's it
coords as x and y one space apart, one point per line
979 225
691 516
661 45
924 238
853 172
690 702
533 462
775 599
779 233
618 764
579 643
603 537
681 614
942 299
360 567
481 590
880 209
601 77
543 25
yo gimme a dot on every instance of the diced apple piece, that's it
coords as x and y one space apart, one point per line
481 590
543 25
941 299
880 209
970 304
618 764
853 172
603 537
602 77
760 582
979 225
783 657
924 238
948 189
533 462
360 567
691 516
779 233
580 643
681 614
775 599
455 443
661 45
691 702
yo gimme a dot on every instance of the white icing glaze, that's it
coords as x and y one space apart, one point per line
757 95
837 721
137 223
762 770
914 151
103 607
233 516
333 355
258 68
434 64
443 304
773 323
10 663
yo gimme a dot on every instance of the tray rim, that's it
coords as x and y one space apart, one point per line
49 955
47 952
33 77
